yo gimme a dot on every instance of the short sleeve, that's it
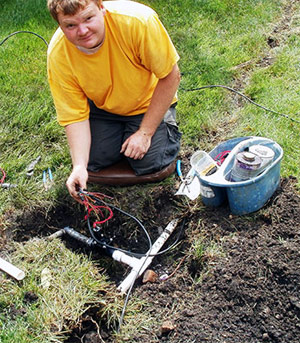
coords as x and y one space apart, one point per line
157 52
69 99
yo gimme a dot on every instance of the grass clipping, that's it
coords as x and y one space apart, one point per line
65 284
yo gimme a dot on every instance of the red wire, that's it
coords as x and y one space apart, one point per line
3 175
97 209
221 156
106 219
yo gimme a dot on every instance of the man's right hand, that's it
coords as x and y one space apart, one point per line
77 180
136 145
79 139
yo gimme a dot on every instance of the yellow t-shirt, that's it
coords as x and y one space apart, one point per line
121 76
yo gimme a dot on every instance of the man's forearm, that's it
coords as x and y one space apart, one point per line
137 145
161 100
79 139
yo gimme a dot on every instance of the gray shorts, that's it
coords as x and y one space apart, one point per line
109 131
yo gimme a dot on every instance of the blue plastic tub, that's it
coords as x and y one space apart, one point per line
243 196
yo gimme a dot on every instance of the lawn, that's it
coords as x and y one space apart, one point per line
250 47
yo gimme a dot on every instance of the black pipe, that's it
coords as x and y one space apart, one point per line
90 242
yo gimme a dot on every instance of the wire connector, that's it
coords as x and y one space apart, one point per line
8 185
47 179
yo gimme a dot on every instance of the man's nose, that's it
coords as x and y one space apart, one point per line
82 29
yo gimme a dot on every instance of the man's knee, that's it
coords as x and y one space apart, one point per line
163 151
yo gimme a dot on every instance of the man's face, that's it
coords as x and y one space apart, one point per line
85 28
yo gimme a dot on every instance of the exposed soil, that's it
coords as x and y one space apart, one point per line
251 293
246 290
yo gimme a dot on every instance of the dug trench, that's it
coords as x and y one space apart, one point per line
243 287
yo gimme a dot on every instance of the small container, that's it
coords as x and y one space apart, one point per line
266 154
203 164
246 166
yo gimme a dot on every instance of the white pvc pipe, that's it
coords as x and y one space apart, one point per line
141 264
11 270
120 256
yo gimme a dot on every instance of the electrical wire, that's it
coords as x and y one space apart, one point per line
3 175
244 96
30 32
130 253
165 250
98 202
97 199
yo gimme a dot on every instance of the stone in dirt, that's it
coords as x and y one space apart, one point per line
149 276
167 326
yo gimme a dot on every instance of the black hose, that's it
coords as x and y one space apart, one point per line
17 32
244 96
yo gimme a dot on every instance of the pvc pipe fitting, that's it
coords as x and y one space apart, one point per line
11 270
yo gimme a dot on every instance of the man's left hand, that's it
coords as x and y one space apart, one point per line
137 145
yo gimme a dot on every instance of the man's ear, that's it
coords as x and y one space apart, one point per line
102 8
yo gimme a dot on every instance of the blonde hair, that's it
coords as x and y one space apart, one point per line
68 7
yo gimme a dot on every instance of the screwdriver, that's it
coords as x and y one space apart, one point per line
184 181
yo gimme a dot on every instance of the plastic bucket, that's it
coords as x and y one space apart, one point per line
243 196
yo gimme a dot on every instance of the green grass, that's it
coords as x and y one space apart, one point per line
66 285
62 295
214 38
219 41
212 47
277 88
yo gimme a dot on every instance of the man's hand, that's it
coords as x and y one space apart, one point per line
79 139
77 180
137 145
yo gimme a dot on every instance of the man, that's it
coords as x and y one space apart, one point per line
113 74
